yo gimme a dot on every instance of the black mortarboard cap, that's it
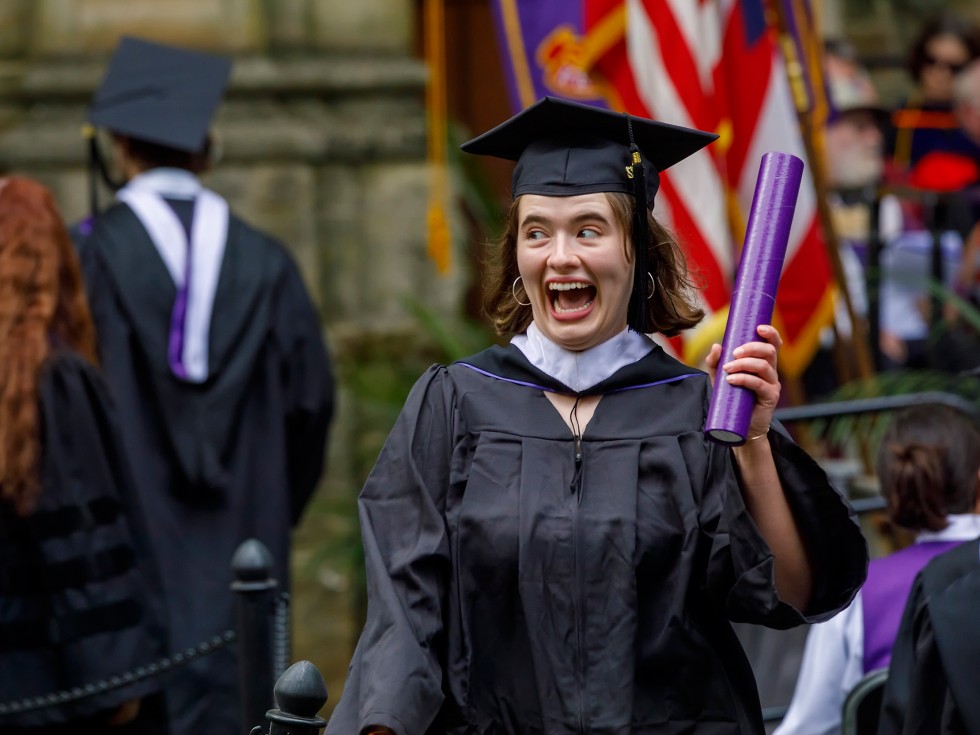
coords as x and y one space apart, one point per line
160 94
567 148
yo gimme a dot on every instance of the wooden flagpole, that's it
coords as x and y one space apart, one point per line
812 134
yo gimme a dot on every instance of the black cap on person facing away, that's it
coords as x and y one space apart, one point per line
567 148
160 94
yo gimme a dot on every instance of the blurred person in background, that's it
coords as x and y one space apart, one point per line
932 681
948 340
80 597
930 150
856 167
854 145
855 129
926 142
929 470
966 103
214 351
855 140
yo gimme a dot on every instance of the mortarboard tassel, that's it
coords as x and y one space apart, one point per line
638 307
97 170
88 132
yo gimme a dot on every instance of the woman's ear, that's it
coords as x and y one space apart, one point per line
123 163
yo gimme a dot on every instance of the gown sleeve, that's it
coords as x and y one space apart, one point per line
308 388
395 677
741 570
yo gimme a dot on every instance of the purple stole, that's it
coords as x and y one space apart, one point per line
884 594
178 321
194 261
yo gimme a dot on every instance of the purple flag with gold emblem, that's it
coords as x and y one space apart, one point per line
544 51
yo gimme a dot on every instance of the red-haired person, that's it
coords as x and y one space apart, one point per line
77 588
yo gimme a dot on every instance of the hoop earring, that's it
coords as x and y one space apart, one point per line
653 286
513 291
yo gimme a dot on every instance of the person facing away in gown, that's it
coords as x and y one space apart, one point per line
929 470
215 352
552 545
79 588
932 683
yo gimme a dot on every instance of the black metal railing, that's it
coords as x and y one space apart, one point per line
300 694
877 404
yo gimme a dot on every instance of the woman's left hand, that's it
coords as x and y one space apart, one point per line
754 367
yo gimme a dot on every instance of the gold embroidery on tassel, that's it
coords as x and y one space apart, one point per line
629 169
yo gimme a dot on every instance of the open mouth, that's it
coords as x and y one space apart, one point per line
571 297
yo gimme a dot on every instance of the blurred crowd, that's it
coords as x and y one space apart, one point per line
905 199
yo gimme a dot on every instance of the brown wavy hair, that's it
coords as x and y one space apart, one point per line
42 303
672 308
927 464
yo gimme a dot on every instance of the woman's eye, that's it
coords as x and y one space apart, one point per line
588 232
534 235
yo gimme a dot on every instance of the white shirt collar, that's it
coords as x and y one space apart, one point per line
582 370
965 527
170 183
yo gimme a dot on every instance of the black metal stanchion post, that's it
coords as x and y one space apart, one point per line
300 693
254 589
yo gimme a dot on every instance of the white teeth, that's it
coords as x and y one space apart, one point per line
583 307
568 286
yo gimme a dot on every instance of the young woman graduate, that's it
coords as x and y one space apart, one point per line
552 545
79 591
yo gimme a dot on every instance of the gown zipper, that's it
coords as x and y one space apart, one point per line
576 489
576 484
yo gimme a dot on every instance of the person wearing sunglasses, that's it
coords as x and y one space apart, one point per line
925 122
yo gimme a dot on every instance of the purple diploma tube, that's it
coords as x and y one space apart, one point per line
754 295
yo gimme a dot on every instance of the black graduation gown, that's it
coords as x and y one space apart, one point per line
79 590
233 458
513 590
932 680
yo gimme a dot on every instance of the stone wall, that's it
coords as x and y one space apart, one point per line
322 141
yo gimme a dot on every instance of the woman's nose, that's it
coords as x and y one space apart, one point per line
563 253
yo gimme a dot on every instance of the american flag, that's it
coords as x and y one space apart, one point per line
709 64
